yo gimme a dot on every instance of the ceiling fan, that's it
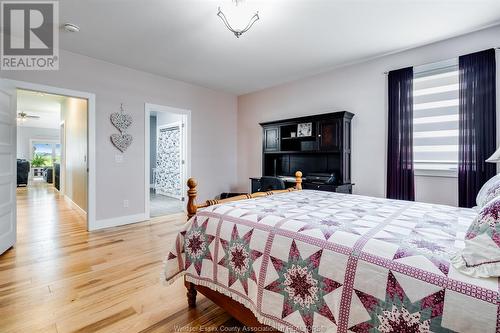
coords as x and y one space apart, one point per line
23 116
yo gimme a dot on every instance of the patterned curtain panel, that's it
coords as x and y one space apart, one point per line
400 174
168 162
477 124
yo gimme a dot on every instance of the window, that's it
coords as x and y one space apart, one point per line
435 118
48 152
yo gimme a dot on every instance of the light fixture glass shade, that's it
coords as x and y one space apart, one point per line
495 158
238 17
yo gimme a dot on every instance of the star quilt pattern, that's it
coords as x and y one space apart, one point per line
310 261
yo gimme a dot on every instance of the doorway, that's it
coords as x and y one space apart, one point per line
167 159
52 154
41 181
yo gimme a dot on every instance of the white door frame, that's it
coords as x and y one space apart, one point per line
91 136
62 166
148 109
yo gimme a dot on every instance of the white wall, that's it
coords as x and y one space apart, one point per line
24 134
213 127
74 115
442 190
361 89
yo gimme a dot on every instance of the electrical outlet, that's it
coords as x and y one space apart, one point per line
126 203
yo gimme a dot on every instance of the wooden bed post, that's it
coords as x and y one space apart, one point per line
192 208
298 180
192 192
191 211
191 294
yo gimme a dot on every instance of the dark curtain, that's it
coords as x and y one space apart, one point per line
477 126
400 175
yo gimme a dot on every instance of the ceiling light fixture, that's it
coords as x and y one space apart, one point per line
23 116
70 27
238 32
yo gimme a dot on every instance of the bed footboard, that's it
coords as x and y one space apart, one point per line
192 193
192 208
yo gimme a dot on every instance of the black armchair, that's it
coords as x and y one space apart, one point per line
271 184
48 175
57 174
23 172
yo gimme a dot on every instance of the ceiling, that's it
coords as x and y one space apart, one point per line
185 40
46 106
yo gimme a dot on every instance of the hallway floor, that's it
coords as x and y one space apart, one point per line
60 278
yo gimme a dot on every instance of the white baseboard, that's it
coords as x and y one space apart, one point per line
119 221
74 205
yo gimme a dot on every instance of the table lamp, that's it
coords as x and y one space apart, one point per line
495 158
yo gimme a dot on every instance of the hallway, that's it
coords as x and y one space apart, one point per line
43 214
60 278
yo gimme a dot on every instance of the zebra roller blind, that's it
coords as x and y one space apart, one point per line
435 116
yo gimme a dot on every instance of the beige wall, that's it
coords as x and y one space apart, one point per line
74 116
361 89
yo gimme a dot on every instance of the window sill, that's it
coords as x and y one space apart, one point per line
436 173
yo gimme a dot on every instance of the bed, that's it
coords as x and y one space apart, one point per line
309 261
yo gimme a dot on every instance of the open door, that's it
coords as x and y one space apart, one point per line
8 166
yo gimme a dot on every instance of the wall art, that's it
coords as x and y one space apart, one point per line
122 122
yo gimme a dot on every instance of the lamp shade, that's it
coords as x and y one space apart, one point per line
495 158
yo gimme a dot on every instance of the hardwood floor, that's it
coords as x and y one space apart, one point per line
60 278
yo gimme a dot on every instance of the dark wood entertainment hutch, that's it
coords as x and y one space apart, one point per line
326 150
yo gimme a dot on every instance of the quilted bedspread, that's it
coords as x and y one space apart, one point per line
310 261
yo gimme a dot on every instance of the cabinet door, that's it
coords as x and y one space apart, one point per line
319 187
255 185
271 139
330 135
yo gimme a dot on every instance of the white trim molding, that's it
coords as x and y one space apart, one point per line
92 224
436 173
74 205
119 221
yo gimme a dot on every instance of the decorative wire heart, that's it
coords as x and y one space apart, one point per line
121 121
121 141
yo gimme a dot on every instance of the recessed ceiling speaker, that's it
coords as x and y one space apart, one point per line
70 27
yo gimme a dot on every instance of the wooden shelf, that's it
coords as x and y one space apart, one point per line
326 150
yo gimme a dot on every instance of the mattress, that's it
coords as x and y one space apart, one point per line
310 261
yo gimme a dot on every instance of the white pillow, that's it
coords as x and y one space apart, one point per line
481 255
489 191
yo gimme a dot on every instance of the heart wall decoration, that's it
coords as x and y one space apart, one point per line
121 141
122 122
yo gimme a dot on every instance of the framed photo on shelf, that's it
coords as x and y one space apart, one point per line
304 129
